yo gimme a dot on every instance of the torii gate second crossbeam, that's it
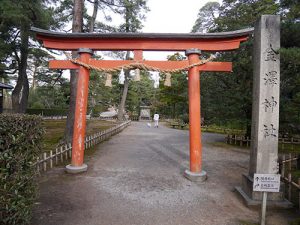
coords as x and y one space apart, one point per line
192 44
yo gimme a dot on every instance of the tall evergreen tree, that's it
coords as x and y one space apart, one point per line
133 12
206 17
290 66
228 97
77 27
16 18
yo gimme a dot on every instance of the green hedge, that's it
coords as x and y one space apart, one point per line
20 139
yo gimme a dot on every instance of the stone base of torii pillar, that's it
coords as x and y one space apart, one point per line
265 112
76 169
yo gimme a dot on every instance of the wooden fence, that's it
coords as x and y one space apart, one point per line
54 117
221 130
242 141
288 163
132 118
62 153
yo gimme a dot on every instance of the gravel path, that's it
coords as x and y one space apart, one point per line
135 178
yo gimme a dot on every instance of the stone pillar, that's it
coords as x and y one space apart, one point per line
195 173
265 108
77 164
266 83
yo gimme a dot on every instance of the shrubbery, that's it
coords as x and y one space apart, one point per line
20 138
184 118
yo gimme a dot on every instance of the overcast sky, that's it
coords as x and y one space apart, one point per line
171 16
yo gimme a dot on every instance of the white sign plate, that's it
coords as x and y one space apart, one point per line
266 182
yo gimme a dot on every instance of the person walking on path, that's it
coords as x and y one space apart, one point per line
156 118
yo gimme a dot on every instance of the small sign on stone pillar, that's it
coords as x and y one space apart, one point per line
265 108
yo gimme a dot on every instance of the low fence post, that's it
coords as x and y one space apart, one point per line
290 162
61 154
70 149
298 161
44 161
51 160
289 186
56 156
299 193
283 166
38 164
66 151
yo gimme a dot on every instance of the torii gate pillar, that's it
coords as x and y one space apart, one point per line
195 173
77 165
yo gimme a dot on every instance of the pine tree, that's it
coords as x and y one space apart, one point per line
133 14
16 19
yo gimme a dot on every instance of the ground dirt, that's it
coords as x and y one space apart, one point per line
136 178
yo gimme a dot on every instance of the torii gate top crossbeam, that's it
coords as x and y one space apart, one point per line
222 41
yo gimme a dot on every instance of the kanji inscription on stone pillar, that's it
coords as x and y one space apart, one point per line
265 109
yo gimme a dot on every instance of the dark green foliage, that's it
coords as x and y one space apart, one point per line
20 138
226 98
206 16
15 41
49 96
141 93
240 14
133 12
173 101
290 90
184 118
101 97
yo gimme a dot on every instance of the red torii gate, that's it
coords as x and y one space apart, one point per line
192 44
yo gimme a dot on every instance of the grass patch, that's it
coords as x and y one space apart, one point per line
295 222
220 145
288 148
55 131
295 175
221 130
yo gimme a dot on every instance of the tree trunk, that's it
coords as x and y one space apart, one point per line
125 91
91 30
34 82
124 96
21 91
94 16
77 26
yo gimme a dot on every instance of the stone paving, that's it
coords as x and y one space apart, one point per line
136 178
